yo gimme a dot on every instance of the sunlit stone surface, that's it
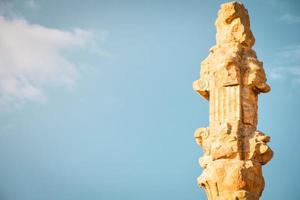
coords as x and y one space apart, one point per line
231 78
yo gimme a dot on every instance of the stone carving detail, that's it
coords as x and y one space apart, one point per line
231 77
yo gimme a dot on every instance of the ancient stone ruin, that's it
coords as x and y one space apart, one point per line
231 77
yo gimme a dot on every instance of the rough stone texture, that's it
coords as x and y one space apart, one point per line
231 78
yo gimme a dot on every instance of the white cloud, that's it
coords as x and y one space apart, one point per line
32 59
291 19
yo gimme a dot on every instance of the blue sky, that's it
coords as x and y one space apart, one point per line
96 100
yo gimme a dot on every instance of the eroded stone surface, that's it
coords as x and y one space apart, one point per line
231 77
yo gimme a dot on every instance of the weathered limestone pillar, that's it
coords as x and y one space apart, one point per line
231 78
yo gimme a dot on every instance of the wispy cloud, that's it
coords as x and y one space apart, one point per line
32 59
281 73
7 9
284 10
287 64
32 4
291 19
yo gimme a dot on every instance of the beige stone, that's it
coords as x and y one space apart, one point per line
231 77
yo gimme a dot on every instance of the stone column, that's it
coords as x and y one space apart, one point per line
231 77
